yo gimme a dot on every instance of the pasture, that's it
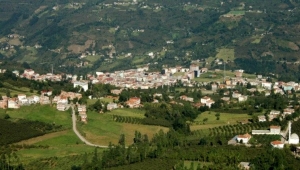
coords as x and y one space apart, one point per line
211 120
102 129
42 113
225 54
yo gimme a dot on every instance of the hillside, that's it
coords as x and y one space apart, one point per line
258 36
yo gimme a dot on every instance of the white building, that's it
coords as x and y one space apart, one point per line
277 144
244 138
83 85
275 130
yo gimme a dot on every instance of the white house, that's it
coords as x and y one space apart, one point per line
112 106
12 103
244 138
83 85
242 98
262 118
205 99
277 144
267 85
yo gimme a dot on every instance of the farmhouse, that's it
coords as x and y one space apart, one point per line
82 84
244 138
134 102
277 144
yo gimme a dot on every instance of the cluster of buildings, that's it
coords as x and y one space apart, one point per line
276 114
133 79
32 75
23 100
274 130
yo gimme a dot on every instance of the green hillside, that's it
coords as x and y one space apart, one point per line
256 35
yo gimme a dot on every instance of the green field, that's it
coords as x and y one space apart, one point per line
102 129
225 119
93 58
236 13
225 54
128 112
43 113
15 90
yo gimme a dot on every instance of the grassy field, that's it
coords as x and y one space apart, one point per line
92 58
43 113
101 129
15 90
128 112
58 144
225 54
225 119
236 13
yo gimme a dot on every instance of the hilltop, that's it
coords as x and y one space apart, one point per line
103 35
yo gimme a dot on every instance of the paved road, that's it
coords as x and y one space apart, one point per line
79 135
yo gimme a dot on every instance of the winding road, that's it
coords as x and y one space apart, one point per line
79 135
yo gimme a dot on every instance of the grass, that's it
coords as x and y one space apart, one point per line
128 112
236 13
225 118
92 58
43 113
15 90
225 54
58 146
101 129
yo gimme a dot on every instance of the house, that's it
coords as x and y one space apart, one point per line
112 106
277 144
82 84
275 129
3 104
244 165
273 114
81 108
63 100
185 98
61 106
242 98
116 91
236 94
21 96
46 92
244 138
214 87
210 103
44 100
13 104
33 99
262 118
266 85
134 102
288 111
205 99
